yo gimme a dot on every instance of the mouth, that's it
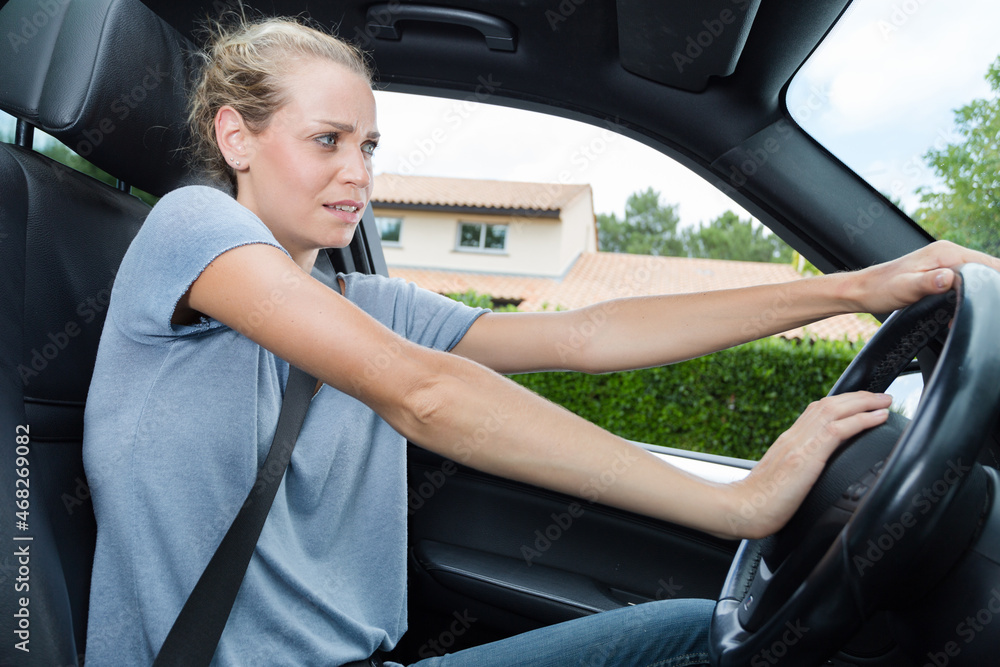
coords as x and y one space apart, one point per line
349 211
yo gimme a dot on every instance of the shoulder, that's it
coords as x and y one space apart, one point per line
372 281
201 214
372 289
422 316
194 193
185 232
368 291
198 202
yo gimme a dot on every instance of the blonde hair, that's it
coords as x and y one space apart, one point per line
243 66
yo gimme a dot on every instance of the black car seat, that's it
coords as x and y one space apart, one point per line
108 79
105 77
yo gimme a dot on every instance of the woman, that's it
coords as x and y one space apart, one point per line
214 298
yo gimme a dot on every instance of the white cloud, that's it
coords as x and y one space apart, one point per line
895 71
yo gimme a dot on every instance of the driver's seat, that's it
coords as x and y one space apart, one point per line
105 77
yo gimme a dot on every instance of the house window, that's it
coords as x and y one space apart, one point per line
389 230
483 237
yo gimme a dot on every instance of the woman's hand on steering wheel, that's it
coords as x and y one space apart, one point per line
886 287
768 497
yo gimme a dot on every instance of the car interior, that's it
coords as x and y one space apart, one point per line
108 79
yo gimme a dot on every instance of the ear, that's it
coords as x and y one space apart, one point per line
231 135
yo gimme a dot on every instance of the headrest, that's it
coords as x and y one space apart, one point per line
105 77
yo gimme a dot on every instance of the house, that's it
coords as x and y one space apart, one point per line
535 245
496 227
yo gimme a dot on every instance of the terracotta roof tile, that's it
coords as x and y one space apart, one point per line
466 192
597 276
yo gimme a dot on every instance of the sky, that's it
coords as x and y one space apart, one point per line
481 141
879 92
888 87
866 95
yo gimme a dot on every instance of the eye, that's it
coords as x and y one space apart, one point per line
369 147
328 140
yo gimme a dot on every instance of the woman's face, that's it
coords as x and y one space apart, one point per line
308 175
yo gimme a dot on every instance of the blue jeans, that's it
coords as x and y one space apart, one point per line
667 633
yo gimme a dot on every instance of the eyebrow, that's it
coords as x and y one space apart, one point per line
349 129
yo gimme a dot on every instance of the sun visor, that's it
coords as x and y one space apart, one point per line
683 43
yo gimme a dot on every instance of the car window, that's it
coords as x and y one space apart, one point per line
906 391
651 213
64 155
907 94
470 137
7 125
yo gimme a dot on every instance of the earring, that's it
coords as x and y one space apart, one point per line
237 163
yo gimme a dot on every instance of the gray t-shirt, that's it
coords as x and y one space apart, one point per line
178 421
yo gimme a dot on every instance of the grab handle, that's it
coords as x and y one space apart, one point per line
382 22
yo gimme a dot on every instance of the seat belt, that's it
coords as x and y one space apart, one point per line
196 632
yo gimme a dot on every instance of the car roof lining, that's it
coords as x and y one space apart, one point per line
459 60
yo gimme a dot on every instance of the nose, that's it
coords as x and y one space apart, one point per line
356 169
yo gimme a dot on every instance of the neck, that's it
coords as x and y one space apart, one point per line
306 259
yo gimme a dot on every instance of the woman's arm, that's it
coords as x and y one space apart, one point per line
466 412
645 331
640 332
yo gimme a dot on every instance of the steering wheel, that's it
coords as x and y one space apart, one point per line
899 501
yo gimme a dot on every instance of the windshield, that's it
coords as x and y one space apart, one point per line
907 94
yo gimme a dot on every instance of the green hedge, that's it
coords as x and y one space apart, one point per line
735 402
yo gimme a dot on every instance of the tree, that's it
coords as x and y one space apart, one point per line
968 210
649 228
729 237
46 145
63 155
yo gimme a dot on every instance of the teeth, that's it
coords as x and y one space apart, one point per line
341 207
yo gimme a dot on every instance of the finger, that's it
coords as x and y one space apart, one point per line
788 471
939 281
862 397
915 285
962 255
809 430
948 254
849 426
827 423
832 408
